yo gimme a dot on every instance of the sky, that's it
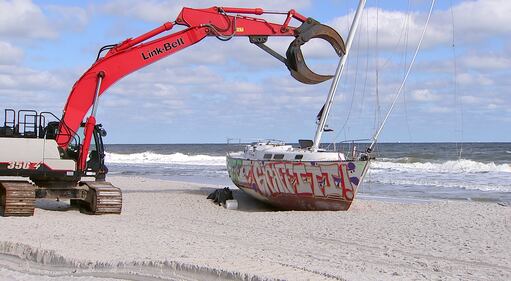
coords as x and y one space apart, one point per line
458 90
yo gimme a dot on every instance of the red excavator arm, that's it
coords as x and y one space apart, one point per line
222 22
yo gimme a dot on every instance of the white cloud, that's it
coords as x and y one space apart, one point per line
477 79
476 20
424 95
9 54
393 28
492 106
26 88
115 102
438 109
22 18
489 61
22 78
68 17
471 100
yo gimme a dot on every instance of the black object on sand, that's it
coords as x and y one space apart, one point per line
219 196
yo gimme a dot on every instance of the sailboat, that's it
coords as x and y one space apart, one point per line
308 177
297 178
305 177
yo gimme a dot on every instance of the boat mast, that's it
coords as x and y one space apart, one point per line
338 73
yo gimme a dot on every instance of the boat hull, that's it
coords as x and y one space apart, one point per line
299 185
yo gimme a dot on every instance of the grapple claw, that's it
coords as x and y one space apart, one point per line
294 57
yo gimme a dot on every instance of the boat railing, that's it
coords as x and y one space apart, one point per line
240 144
248 145
247 141
352 148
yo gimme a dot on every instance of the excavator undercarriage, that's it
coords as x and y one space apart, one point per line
101 198
17 198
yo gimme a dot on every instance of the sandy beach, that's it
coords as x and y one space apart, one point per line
170 231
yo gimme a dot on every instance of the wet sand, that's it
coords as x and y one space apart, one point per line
169 230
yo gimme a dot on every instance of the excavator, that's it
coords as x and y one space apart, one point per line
43 156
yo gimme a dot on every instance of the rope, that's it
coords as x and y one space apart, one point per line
375 137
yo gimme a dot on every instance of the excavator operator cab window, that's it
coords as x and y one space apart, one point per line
96 159
73 148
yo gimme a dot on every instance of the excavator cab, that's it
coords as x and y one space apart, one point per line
96 160
95 163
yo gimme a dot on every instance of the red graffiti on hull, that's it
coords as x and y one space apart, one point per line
330 180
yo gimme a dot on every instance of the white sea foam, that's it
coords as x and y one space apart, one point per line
453 166
477 184
465 174
149 157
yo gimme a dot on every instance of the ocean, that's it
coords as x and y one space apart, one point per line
402 171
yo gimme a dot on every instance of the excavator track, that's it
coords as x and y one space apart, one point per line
17 198
103 198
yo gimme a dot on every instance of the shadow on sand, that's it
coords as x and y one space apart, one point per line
54 205
245 202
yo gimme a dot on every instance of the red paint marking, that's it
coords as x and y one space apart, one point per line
293 180
308 179
345 189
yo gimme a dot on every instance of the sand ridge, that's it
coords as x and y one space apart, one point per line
171 225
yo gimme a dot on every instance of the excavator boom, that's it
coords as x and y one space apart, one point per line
221 22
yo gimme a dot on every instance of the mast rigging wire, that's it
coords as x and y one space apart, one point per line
367 64
458 100
377 115
377 134
407 33
352 96
404 35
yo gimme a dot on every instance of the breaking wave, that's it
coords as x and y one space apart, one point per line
464 174
453 166
149 157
